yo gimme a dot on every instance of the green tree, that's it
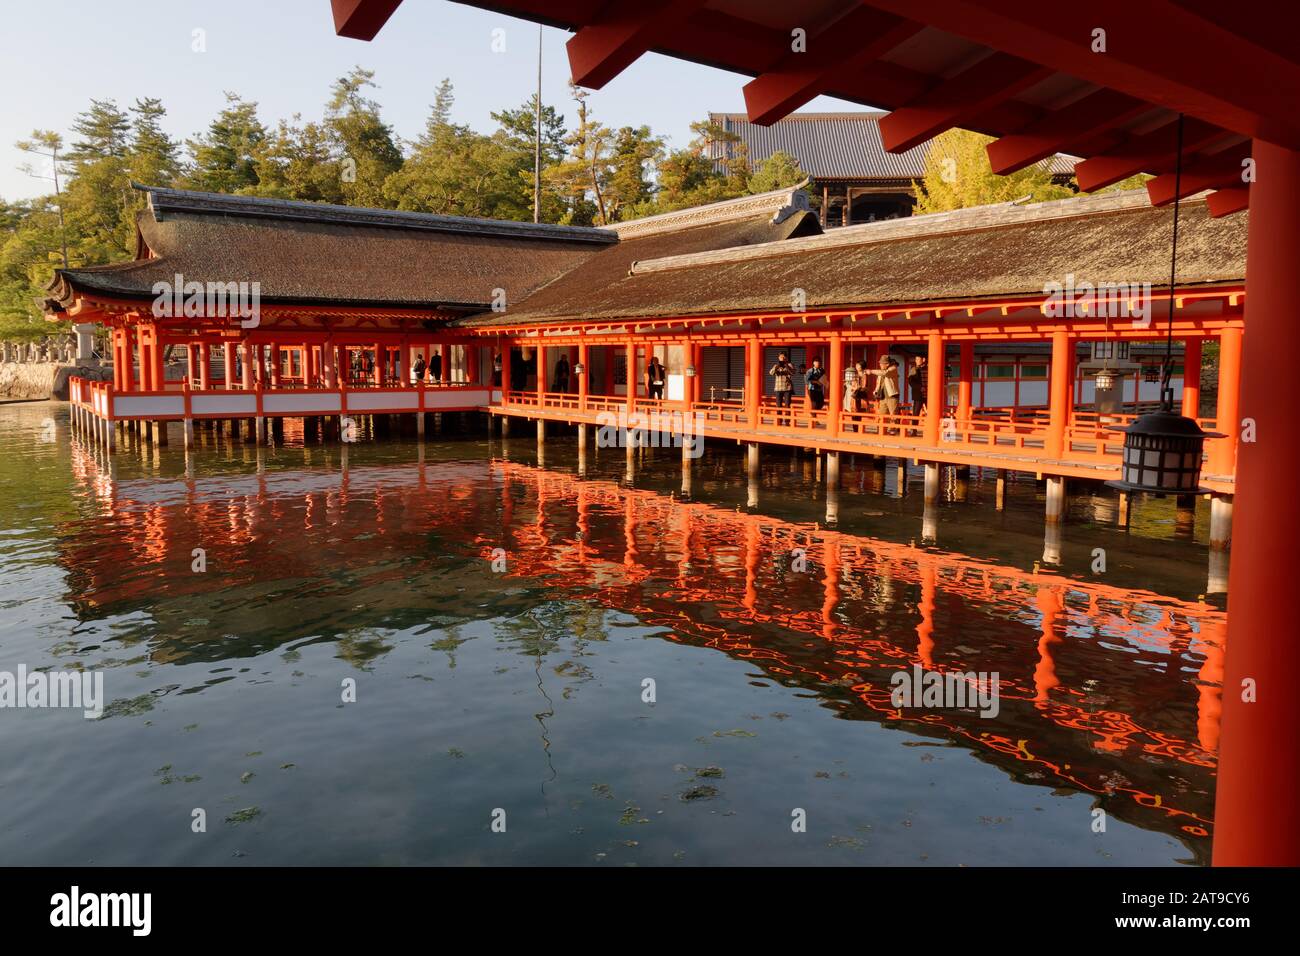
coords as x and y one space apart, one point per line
226 158
153 156
297 162
635 152
778 171
455 171
958 175
583 176
365 146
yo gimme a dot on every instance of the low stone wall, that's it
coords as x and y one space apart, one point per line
43 380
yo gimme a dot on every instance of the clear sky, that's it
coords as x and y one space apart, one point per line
284 55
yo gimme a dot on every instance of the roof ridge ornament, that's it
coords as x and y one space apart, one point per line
781 203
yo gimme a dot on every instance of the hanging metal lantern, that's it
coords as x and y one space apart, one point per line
579 368
1104 380
1162 454
690 371
1163 449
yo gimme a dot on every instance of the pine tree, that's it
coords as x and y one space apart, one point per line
226 158
365 147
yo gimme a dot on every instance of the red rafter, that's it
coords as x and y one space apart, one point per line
1152 153
988 83
622 32
832 57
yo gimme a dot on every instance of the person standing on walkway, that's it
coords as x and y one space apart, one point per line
417 368
886 391
918 383
816 390
655 376
435 368
783 374
561 382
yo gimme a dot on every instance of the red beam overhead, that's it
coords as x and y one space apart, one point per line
362 19
1222 169
1151 153
1097 113
1225 202
1155 50
831 59
622 32
956 100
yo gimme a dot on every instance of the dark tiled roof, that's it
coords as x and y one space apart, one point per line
319 254
966 254
833 146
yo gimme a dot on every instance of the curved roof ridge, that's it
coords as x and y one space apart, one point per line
952 221
780 203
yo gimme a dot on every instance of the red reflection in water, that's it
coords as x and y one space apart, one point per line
1106 690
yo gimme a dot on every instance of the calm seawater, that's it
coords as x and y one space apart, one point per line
518 693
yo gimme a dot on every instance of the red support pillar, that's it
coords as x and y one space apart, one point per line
583 361
1223 451
539 359
753 379
191 362
247 383
205 367
1059 393
157 372
228 354
631 376
128 359
275 365
1192 378
966 378
444 363
1259 761
934 396
835 374
379 365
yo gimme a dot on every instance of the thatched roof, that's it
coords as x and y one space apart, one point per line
313 253
990 251
774 217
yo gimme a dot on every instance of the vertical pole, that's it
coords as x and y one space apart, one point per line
228 358
157 375
934 397
931 482
128 359
832 487
1223 451
1000 494
539 356
205 367
583 359
631 377
1055 499
835 403
275 364
1059 394
966 370
191 362
753 380
444 363
1259 762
